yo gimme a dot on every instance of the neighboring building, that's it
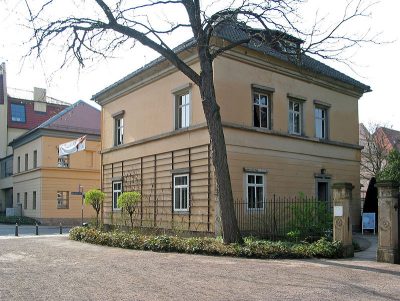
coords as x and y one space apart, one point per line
287 130
44 182
20 111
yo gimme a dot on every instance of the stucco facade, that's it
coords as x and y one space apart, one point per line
48 178
154 151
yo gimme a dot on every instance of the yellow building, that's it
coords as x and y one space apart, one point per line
43 182
287 130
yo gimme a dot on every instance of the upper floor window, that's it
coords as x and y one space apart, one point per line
117 190
295 117
18 112
255 191
63 161
321 121
261 109
35 159
181 192
19 164
26 162
119 130
182 110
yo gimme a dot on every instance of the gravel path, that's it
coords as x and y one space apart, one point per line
55 268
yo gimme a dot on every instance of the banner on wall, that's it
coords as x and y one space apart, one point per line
72 146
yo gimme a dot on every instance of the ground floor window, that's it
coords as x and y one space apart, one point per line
25 200
255 191
34 200
62 199
181 192
117 190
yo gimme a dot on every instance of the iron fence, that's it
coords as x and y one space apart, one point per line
285 218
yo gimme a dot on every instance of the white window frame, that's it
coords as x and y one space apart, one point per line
183 109
118 130
268 106
187 186
118 191
255 185
321 120
292 114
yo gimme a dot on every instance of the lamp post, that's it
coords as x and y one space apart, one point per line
82 196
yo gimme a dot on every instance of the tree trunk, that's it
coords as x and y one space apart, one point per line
131 214
97 218
230 227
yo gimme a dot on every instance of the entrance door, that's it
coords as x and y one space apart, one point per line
322 191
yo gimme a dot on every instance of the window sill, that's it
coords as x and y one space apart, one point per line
181 212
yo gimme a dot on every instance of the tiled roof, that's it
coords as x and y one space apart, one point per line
393 137
79 117
32 117
233 32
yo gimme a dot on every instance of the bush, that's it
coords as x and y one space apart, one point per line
251 248
311 220
21 220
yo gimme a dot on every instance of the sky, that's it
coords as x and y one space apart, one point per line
375 65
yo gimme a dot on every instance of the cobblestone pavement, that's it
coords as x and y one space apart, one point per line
55 268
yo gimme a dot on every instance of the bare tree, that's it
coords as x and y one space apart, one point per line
376 148
97 28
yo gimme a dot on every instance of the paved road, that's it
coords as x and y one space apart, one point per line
9 230
54 268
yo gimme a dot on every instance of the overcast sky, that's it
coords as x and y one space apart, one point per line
377 66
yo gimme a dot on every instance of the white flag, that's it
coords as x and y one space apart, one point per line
72 146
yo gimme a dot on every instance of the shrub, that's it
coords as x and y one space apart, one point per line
127 201
251 248
95 198
310 220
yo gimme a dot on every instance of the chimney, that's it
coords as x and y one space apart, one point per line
39 94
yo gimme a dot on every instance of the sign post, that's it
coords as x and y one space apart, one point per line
80 192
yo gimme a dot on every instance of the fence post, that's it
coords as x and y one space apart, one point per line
388 222
342 230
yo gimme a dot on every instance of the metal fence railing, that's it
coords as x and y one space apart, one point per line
285 218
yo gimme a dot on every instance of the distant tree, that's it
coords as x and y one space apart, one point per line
127 201
95 198
375 150
97 28
391 171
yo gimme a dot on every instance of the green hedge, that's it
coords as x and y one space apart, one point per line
21 220
252 248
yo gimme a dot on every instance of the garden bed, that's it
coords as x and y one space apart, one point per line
251 248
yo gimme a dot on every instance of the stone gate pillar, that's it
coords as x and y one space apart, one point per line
388 223
342 230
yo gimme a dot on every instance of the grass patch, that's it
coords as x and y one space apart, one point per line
21 220
252 248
